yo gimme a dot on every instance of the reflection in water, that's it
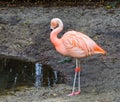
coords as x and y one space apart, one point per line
46 76
56 76
15 80
16 72
38 75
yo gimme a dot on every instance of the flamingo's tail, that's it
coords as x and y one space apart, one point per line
98 49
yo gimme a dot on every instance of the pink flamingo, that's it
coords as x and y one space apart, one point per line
74 44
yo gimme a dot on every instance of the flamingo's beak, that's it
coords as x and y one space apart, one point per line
51 28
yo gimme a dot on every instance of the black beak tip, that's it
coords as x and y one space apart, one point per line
51 29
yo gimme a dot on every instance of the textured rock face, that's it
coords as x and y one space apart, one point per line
24 32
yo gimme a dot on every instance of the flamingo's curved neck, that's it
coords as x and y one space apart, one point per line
53 35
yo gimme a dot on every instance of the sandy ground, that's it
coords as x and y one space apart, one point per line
59 94
24 32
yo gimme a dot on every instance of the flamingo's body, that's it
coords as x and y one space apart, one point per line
74 44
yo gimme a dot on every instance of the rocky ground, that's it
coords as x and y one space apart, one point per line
25 31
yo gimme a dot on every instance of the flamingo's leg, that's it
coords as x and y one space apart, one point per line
79 89
73 89
77 70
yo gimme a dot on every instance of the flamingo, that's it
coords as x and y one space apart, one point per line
74 44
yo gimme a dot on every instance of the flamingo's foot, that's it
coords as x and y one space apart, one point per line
74 93
71 94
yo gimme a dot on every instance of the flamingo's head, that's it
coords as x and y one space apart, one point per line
54 23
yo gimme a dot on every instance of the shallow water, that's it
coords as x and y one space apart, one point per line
15 72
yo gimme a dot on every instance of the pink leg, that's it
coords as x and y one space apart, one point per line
73 89
78 92
77 71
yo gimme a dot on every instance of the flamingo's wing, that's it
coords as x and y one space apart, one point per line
78 40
